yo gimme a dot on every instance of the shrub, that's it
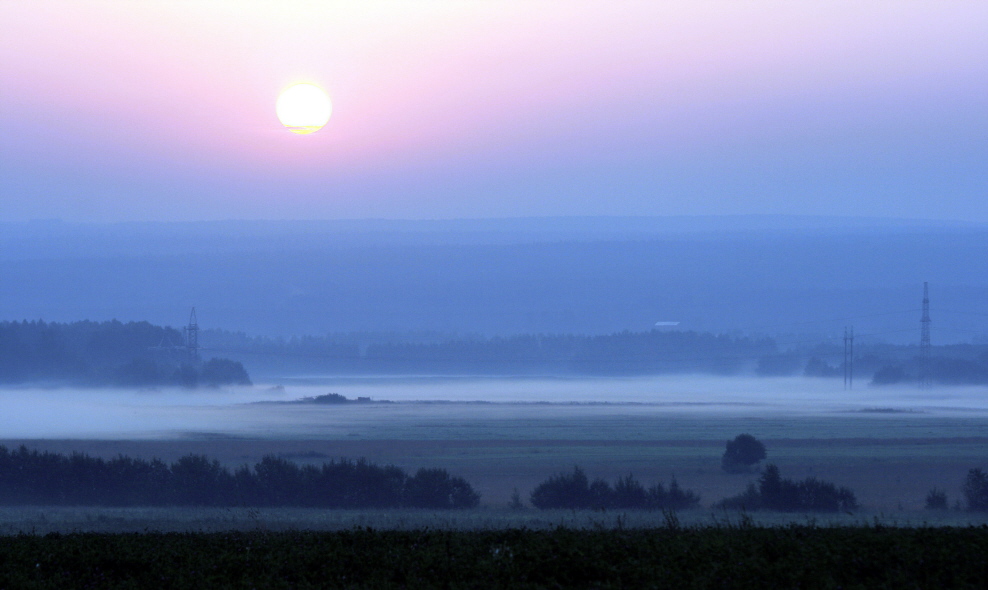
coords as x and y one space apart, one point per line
742 453
327 398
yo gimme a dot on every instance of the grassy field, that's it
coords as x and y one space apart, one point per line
43 520
890 459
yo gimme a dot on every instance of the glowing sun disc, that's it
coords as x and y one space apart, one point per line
304 108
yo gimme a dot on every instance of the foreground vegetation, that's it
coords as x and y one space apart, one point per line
668 557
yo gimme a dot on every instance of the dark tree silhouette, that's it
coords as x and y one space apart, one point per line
785 495
742 453
30 477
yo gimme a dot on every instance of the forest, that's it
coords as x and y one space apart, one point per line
622 353
45 478
112 353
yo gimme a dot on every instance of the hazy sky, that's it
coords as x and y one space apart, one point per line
164 110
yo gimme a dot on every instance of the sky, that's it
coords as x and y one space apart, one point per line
165 110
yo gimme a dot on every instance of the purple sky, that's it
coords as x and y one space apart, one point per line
164 110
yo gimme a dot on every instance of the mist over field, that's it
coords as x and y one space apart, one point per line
696 406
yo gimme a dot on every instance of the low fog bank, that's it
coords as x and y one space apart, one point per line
659 407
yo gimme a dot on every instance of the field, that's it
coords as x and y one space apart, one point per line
889 446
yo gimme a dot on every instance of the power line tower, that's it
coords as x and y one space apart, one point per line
192 337
848 358
925 373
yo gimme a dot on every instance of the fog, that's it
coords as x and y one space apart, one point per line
700 407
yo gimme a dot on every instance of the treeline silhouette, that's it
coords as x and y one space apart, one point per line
786 495
106 354
29 477
575 491
626 352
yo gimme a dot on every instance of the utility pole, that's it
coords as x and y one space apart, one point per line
192 337
848 357
925 372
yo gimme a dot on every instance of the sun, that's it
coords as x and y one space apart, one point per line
304 108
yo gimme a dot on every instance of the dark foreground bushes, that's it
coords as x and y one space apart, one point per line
29 477
785 495
789 557
575 491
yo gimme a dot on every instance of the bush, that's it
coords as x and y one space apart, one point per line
742 453
976 490
785 495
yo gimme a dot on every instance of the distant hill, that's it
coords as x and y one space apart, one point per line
785 277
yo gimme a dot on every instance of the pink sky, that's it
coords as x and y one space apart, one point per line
165 110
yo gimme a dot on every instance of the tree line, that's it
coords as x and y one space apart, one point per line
109 353
575 491
45 478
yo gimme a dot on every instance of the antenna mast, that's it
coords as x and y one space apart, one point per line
925 376
849 358
192 337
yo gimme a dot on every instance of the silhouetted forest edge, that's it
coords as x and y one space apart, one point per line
30 477
653 352
138 354
99 354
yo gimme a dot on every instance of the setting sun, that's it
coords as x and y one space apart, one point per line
304 108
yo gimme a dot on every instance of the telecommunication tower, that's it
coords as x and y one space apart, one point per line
849 357
925 374
192 337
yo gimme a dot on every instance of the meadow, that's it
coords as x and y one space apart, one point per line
890 446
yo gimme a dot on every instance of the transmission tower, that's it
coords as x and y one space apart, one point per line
848 357
192 337
925 373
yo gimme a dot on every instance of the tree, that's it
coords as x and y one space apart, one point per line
219 371
742 453
563 491
785 495
434 488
